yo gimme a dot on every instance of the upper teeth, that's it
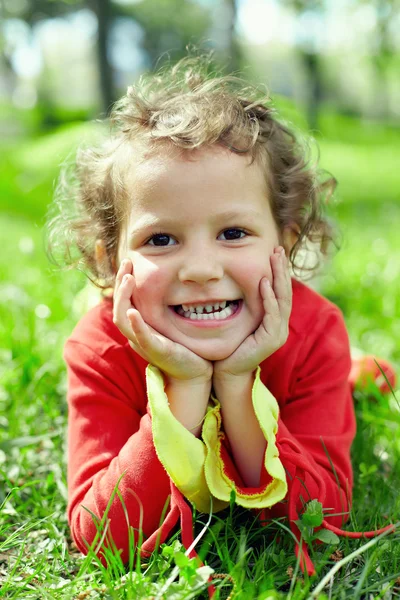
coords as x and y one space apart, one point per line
198 308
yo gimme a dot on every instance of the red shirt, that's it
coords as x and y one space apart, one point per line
110 422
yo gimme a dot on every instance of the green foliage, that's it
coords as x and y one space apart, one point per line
29 170
312 517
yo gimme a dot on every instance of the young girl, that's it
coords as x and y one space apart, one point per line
210 369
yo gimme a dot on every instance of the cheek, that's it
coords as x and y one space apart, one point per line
150 284
252 273
254 262
251 278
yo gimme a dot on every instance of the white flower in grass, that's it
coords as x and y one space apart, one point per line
204 573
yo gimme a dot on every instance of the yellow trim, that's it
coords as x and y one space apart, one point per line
179 451
267 411
195 467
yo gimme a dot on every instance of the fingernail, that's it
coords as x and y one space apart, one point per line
125 278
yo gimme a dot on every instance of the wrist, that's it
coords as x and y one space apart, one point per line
227 386
194 382
188 400
230 378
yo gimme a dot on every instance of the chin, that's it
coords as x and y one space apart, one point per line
213 354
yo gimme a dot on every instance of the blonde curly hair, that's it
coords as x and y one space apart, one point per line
187 106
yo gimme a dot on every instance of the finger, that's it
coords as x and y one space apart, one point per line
282 280
272 316
122 303
282 283
147 340
268 329
283 292
125 268
139 327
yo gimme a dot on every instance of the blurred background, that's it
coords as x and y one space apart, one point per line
333 68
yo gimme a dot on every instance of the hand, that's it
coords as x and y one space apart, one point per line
273 330
177 362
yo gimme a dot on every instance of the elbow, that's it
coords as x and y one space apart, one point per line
92 537
84 532
98 536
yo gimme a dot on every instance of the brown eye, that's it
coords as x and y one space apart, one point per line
160 239
234 233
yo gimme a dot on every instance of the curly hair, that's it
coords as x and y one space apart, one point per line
187 107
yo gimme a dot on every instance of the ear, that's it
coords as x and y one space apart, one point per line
101 257
290 236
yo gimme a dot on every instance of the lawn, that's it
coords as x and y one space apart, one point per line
38 309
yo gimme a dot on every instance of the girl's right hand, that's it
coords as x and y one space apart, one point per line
174 360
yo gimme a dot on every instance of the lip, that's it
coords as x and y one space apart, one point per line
209 323
204 302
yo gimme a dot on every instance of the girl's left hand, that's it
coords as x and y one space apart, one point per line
274 328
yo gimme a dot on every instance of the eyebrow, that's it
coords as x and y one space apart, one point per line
149 221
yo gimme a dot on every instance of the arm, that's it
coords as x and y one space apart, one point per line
319 419
109 433
112 432
251 439
317 424
188 402
241 426
314 430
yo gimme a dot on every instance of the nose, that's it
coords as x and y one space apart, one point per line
201 267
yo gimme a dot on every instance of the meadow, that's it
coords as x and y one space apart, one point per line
39 307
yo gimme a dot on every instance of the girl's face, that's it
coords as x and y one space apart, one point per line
199 231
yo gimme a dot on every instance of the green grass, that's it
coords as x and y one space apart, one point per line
38 309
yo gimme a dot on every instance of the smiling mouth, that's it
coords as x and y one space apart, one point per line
207 312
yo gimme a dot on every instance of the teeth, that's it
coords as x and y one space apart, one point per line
201 308
218 316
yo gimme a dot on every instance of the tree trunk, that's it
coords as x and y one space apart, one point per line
233 47
102 8
314 87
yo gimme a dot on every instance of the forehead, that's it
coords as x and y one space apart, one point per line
216 171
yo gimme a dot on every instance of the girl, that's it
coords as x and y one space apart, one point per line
210 369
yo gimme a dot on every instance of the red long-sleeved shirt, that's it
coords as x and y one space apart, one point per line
110 423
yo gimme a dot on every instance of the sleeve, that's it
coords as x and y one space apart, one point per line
110 435
221 473
317 424
181 453
308 444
